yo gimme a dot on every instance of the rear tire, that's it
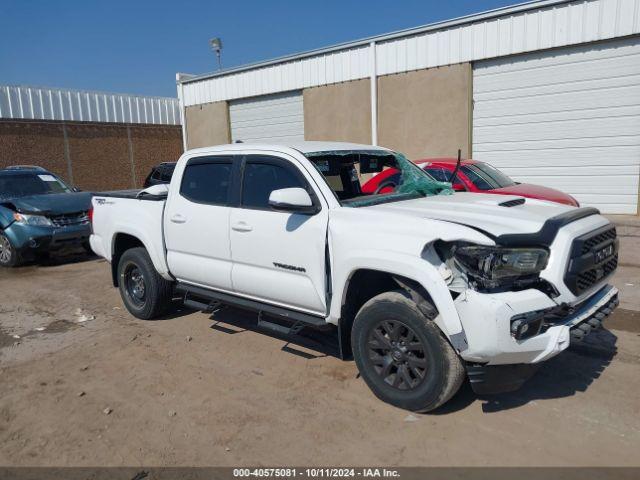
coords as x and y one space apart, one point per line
402 356
87 248
144 292
9 256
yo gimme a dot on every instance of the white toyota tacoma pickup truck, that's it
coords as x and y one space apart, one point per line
423 287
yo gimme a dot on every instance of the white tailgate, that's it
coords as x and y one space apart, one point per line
141 219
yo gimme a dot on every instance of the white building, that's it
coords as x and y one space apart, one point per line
547 91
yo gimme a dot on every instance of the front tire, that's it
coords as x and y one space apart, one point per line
402 356
9 256
144 292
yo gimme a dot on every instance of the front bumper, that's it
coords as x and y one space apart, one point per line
489 380
487 321
511 362
30 239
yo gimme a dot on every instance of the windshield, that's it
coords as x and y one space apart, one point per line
345 171
24 184
486 177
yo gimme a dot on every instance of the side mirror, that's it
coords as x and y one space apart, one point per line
459 187
294 200
76 189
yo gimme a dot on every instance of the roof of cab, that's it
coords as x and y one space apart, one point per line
318 146
302 146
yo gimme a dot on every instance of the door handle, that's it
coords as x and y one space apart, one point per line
177 218
241 227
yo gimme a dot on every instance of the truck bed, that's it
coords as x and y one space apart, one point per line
131 194
119 213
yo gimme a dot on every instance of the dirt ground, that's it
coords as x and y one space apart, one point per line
85 384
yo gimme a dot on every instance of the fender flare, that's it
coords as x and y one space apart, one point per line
6 217
157 258
420 273
6 220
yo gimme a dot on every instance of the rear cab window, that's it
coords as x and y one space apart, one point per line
165 172
208 180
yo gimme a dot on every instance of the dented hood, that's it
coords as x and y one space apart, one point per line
52 203
481 211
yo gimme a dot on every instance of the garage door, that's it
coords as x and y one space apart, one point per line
567 119
277 118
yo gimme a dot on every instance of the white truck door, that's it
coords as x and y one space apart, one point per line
197 222
278 257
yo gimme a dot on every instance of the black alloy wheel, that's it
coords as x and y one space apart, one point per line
135 285
402 355
397 354
144 292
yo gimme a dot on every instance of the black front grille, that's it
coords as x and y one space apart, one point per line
79 218
594 256
609 234
589 278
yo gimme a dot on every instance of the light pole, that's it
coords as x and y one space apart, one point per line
216 46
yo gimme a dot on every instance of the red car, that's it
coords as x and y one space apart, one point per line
473 176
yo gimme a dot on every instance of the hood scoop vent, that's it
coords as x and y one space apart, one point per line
512 203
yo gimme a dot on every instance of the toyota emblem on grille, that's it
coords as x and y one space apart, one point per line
604 253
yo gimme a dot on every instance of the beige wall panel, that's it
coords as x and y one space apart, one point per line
340 112
207 124
426 113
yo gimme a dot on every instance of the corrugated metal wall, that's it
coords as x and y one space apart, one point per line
336 67
567 119
277 117
556 26
526 30
34 103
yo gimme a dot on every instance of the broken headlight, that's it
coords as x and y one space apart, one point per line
492 266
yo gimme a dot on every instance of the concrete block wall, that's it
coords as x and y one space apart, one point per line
91 156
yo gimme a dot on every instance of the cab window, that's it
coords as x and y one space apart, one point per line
207 180
262 175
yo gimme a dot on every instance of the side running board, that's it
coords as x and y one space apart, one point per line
209 300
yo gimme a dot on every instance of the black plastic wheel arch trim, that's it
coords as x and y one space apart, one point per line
547 234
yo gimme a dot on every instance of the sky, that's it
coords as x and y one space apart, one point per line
137 46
